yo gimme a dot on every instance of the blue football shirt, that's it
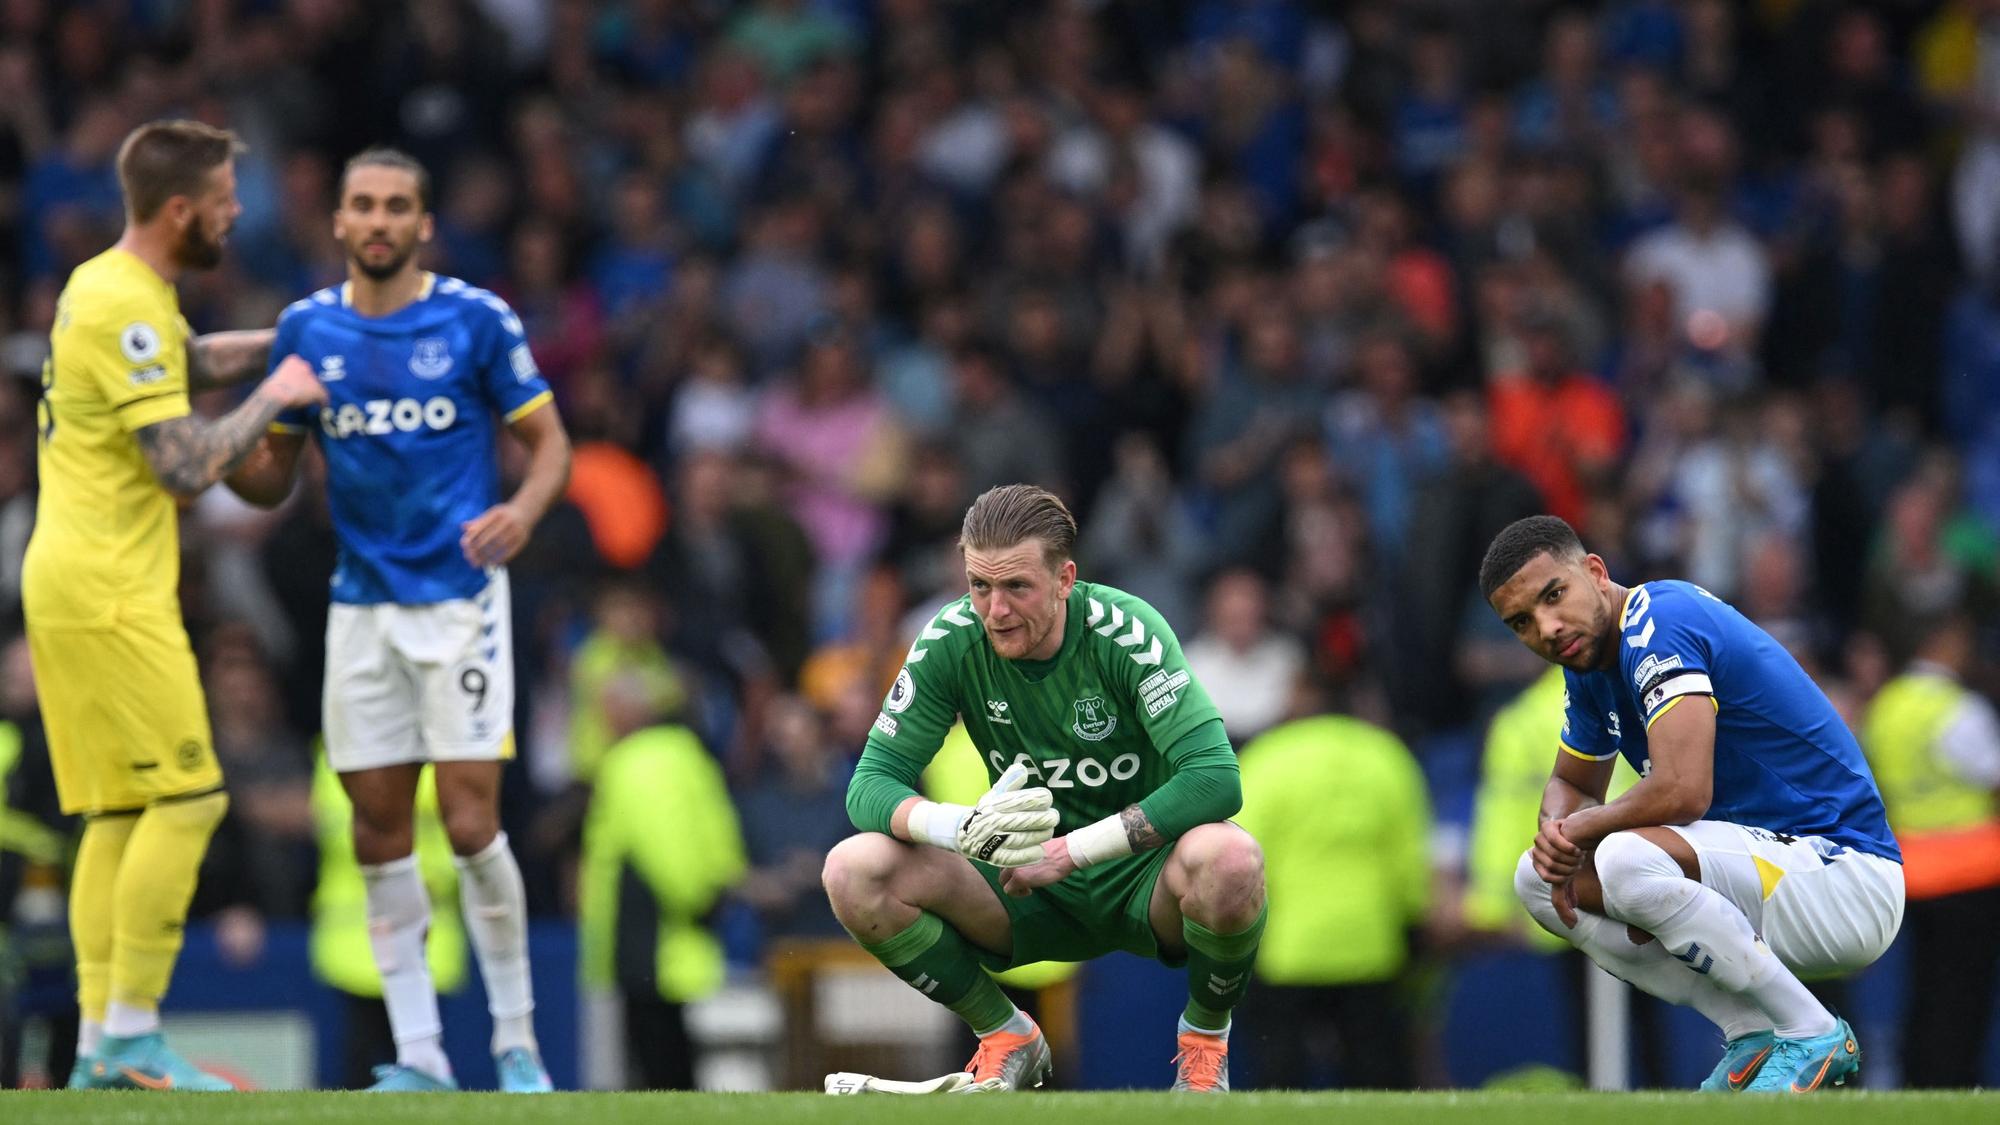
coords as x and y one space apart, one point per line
1784 760
415 402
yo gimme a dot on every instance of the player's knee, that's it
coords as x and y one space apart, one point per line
1529 886
859 868
379 838
1222 875
1628 868
1223 854
471 828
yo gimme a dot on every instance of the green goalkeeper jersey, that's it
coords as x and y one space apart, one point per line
1105 724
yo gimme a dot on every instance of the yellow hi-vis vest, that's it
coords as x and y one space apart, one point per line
1340 808
1948 828
661 807
20 832
341 954
1521 747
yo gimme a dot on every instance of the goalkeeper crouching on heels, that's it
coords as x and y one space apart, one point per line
1119 841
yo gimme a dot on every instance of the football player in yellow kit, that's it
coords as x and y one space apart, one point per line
119 447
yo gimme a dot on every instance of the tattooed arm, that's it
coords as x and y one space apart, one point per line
1139 832
190 453
224 359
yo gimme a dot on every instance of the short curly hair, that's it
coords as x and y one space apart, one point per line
1517 545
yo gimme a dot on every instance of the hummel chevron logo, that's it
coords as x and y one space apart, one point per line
952 615
1106 629
1220 985
1694 951
1136 636
1644 638
924 984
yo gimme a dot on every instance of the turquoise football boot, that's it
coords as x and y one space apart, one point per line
521 1072
82 1075
1800 1066
145 1062
1742 1058
398 1079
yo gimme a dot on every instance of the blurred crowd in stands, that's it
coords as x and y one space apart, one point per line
1296 303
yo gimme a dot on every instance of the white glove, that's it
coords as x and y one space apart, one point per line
1009 825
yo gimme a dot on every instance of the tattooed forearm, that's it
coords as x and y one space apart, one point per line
189 453
223 359
1139 832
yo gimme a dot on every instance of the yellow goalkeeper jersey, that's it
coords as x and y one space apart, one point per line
106 537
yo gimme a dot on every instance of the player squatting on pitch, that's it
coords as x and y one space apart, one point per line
1754 849
1124 843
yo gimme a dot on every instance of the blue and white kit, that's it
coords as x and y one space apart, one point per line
1795 834
419 657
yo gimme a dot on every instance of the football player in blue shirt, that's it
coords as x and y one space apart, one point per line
1753 850
420 371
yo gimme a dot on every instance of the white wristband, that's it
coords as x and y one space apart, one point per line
1096 843
937 824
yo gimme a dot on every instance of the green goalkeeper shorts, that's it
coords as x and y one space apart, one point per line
1095 911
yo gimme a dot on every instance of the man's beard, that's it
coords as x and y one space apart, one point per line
387 269
197 250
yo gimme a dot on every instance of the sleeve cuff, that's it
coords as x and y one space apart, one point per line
1573 751
1676 701
530 406
137 414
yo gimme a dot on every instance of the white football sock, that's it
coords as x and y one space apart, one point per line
1646 887
89 1033
496 913
125 1021
1647 967
1183 1027
399 918
1016 1024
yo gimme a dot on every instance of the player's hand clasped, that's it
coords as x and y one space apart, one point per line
293 385
496 536
1009 825
1557 861
1055 865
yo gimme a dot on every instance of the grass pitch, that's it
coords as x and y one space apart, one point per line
1465 1108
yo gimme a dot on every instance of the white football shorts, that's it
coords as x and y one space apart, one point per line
1823 908
420 683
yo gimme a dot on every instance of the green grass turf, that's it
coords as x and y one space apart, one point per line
1470 1108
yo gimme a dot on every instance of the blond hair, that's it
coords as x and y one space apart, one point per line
1012 514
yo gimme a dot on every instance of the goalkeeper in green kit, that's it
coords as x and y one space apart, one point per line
1106 827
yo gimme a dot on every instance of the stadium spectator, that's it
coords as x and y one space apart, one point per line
1722 274
1341 809
1251 663
646 896
791 816
1935 744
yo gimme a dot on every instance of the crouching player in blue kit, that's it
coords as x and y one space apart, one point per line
418 370
1753 850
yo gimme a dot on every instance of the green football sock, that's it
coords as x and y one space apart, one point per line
937 961
1218 970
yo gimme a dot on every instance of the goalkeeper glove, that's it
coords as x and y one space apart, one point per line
1007 828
